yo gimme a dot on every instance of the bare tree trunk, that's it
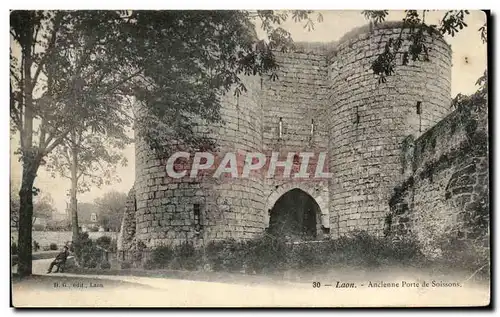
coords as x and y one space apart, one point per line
30 162
25 219
74 184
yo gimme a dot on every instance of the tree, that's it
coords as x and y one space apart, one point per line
412 43
88 159
111 207
85 211
77 70
43 206
52 93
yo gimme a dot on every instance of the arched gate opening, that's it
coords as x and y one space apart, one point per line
295 215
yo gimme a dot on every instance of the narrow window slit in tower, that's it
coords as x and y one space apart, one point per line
325 230
197 216
419 112
312 127
356 118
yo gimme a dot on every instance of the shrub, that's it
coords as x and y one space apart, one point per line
305 256
186 256
87 253
125 265
466 254
91 264
360 249
161 257
61 225
150 265
105 265
113 247
53 246
104 242
270 253
38 227
228 255
267 254
213 255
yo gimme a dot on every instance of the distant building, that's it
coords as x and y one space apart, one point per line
57 216
40 222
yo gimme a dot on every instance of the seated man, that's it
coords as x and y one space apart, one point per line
60 260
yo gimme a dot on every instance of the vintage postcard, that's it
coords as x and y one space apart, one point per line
259 158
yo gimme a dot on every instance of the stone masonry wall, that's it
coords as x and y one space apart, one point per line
369 121
298 99
128 226
234 206
445 198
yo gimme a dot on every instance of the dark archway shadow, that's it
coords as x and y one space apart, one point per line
295 216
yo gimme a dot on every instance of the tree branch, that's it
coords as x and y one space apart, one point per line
15 36
80 175
58 140
13 113
50 48
123 81
13 74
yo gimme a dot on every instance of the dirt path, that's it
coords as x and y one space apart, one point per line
70 290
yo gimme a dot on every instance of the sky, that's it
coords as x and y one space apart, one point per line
466 45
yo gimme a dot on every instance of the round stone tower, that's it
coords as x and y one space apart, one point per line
370 121
170 211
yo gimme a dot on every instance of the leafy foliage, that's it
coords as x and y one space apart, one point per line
410 44
377 16
110 208
104 242
161 257
484 33
43 206
86 253
475 102
85 210
97 158
89 253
